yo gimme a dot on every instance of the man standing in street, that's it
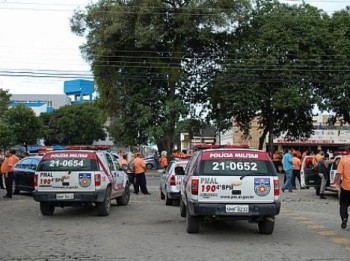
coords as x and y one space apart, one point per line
322 173
4 172
11 162
342 182
296 170
288 170
140 177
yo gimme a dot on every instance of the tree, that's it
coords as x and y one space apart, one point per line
7 137
335 87
24 124
269 74
74 124
150 59
4 101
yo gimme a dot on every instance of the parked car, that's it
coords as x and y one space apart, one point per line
24 172
230 184
170 181
149 160
72 177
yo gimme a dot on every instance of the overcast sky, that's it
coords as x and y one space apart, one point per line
35 39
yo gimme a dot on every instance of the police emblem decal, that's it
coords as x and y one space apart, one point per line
84 179
262 186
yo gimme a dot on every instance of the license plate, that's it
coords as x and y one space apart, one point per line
65 196
237 208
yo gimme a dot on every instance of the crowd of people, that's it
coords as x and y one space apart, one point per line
321 162
135 167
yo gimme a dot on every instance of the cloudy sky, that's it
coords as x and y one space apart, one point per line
35 40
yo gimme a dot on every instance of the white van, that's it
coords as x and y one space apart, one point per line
77 177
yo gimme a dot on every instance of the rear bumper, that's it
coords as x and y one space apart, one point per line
95 196
173 192
219 209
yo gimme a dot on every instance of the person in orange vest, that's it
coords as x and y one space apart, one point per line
7 169
124 162
296 170
140 177
342 183
163 163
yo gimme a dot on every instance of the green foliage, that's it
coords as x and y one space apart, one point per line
4 101
7 137
335 87
146 55
269 72
74 124
24 124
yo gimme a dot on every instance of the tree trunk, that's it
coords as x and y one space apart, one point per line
262 139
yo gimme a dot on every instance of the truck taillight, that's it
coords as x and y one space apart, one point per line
35 181
194 186
97 179
276 185
172 180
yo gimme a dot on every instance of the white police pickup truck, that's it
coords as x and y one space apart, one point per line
230 184
79 177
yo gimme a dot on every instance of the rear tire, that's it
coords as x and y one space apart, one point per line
47 208
182 208
266 226
168 201
149 166
103 208
192 223
15 190
123 200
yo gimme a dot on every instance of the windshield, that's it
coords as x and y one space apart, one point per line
68 164
232 167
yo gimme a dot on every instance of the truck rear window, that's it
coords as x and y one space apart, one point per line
68 164
231 167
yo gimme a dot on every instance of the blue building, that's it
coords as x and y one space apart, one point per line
79 90
75 92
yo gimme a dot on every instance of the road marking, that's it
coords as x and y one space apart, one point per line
341 241
316 226
327 233
320 229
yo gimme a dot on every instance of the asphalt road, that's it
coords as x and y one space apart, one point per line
307 229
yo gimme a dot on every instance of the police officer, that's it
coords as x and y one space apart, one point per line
140 177
342 182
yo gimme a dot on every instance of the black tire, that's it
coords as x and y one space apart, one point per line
168 201
266 226
15 189
123 200
182 208
103 208
162 196
317 191
47 208
149 166
192 223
